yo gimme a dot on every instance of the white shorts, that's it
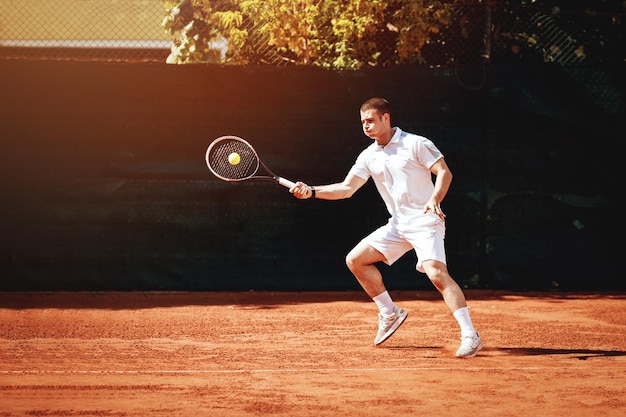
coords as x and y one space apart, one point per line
425 236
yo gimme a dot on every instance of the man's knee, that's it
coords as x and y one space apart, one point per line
362 255
353 260
438 274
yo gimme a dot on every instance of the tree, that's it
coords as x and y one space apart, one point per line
338 34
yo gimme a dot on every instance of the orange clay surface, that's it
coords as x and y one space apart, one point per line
308 354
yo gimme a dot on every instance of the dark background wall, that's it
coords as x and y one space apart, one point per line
104 185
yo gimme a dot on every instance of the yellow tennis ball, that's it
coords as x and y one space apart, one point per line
234 158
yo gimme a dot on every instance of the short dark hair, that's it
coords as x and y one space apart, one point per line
379 104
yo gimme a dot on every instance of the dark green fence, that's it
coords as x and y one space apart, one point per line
104 184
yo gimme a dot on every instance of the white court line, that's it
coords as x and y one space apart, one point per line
261 371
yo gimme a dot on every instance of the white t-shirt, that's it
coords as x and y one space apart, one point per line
401 173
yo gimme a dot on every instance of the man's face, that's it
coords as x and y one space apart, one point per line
373 123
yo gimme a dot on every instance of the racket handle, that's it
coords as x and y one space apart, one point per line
284 182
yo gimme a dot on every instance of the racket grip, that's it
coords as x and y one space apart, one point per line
284 182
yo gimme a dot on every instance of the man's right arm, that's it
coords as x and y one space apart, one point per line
336 191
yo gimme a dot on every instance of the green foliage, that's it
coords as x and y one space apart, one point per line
416 21
338 34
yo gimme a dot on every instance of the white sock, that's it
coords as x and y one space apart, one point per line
385 303
463 317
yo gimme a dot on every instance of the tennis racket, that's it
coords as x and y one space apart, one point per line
232 159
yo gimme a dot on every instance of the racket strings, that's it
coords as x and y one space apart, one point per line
221 166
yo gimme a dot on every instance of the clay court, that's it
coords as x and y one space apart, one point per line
308 354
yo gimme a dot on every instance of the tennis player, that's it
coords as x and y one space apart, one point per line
401 165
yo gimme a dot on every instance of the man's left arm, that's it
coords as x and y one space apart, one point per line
443 179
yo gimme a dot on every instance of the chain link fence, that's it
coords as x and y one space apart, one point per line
522 31
83 30
586 39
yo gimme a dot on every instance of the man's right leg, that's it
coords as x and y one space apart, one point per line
361 261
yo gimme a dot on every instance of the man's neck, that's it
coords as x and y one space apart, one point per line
386 138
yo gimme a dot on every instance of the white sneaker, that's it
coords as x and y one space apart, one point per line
387 325
470 345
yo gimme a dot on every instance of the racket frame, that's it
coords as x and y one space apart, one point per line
259 164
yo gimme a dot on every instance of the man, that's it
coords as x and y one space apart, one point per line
401 165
